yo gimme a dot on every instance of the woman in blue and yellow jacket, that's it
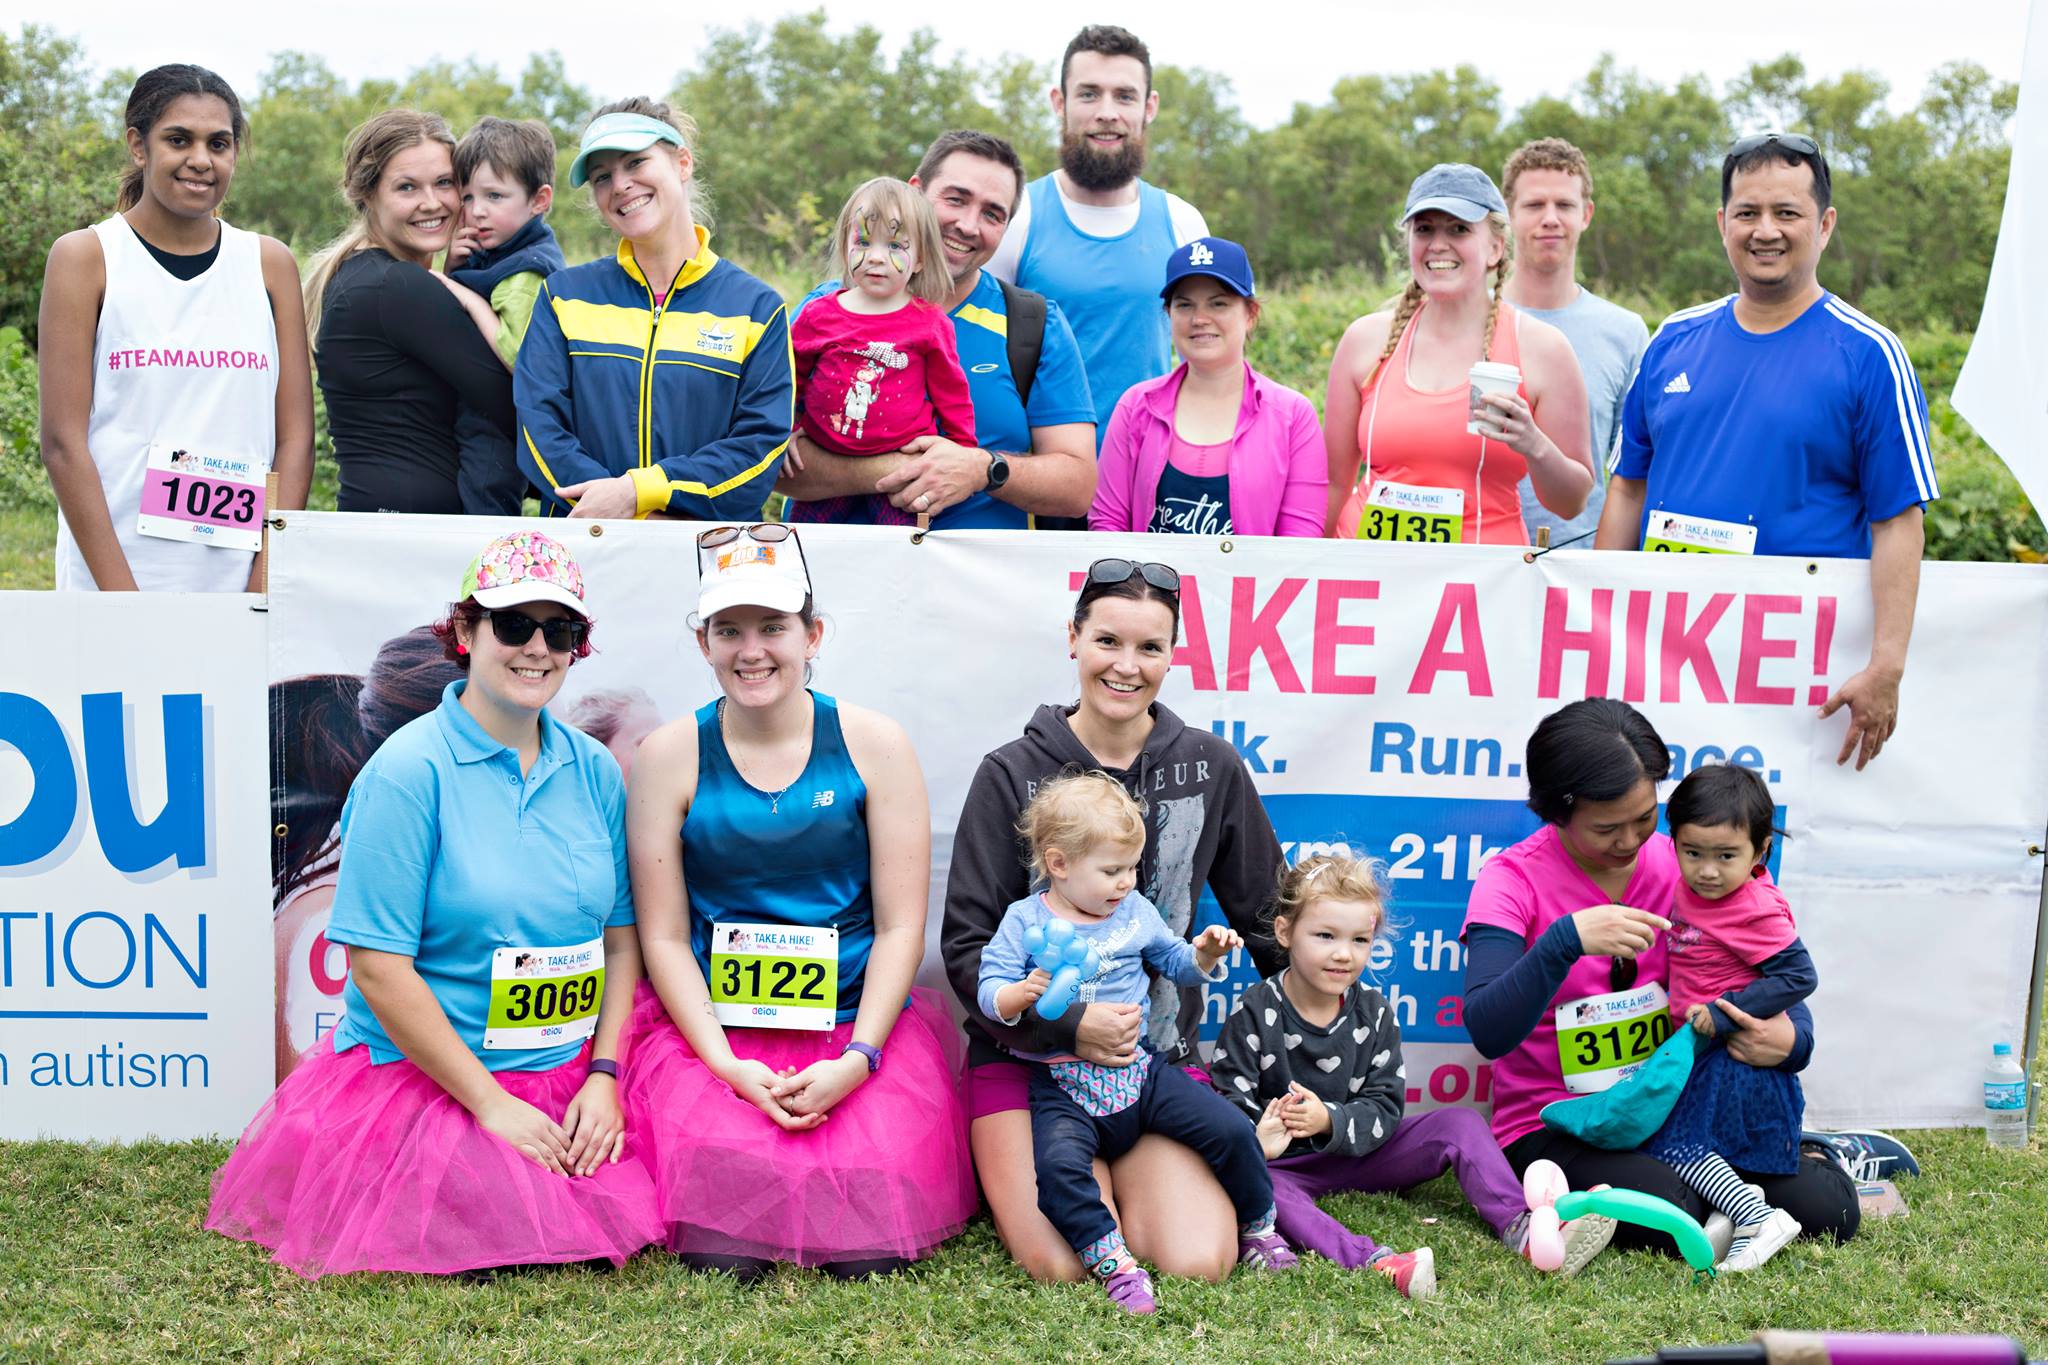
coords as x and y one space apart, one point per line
658 380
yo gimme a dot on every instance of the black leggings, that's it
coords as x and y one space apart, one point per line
1819 1194
747 1269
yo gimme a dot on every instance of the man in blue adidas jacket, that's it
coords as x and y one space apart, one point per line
1781 421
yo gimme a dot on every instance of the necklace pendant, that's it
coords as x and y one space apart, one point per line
775 804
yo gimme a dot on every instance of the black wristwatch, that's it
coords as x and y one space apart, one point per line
998 470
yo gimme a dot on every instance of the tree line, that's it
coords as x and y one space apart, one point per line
792 115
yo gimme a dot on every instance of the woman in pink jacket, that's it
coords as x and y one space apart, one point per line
1214 448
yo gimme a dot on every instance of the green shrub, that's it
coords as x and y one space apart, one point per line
23 482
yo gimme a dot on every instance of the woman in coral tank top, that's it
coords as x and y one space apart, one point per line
1416 452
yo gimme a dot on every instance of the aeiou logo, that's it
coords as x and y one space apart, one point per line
130 844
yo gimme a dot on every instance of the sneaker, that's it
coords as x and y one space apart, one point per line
1585 1238
1865 1154
1413 1272
1269 1252
1766 1239
1131 1290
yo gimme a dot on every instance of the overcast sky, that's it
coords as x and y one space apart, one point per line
1530 48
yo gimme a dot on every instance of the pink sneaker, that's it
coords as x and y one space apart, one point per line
1413 1272
1131 1290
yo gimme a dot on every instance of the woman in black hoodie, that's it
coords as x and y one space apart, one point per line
1205 826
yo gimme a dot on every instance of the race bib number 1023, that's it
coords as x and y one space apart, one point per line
202 496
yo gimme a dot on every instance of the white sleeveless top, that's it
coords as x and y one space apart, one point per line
191 362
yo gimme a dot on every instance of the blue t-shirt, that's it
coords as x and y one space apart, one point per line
1810 433
1059 395
797 857
448 854
1126 941
1608 342
1109 287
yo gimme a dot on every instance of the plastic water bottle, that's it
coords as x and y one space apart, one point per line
2005 1099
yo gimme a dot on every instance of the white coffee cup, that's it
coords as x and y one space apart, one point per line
1489 376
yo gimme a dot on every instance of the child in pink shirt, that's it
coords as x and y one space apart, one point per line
1732 937
876 364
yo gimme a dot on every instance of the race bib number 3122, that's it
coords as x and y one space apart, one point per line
774 976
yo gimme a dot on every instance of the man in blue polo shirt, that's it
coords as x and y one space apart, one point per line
1037 450
1781 421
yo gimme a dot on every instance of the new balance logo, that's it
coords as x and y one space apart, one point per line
824 798
1198 254
1679 385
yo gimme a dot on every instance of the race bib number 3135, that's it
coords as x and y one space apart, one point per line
1412 512
1602 1039
544 997
774 976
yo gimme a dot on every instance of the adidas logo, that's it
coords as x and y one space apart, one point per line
1679 385
1199 254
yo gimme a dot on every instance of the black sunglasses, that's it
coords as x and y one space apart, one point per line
764 532
1798 143
1621 973
1161 576
515 628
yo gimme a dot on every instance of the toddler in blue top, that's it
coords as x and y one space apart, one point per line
1086 836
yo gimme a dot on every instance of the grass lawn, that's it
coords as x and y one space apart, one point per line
27 540
102 1258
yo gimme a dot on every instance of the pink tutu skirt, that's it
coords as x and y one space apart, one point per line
887 1175
351 1167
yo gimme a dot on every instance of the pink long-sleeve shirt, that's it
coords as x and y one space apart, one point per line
1279 475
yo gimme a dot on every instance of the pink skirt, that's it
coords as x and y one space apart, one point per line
350 1166
887 1175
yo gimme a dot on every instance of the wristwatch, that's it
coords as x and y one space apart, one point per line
998 470
873 1055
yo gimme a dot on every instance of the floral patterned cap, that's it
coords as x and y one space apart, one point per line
524 566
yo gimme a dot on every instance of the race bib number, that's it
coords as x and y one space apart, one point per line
544 997
774 976
1602 1039
210 499
1676 533
1412 512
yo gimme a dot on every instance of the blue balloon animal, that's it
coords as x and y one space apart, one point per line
1071 961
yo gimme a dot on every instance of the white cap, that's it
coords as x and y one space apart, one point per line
745 572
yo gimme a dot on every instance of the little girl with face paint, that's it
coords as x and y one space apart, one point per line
876 365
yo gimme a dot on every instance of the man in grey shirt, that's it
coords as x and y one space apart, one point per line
1549 190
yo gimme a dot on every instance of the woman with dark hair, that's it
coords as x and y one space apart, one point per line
1204 827
464 1112
324 727
1565 944
172 357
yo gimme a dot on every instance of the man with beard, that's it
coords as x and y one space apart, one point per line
1092 236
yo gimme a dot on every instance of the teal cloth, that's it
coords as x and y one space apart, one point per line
1622 1117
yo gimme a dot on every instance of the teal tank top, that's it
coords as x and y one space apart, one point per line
799 857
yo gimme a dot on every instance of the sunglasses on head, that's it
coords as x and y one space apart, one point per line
1161 576
1798 143
515 628
762 532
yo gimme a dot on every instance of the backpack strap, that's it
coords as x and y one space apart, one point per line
1025 337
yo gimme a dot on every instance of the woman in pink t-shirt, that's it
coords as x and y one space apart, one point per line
1567 966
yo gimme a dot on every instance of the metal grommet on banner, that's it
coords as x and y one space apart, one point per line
281 831
277 523
1812 567
1226 547
596 529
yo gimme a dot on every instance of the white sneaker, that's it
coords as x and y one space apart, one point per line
1766 1239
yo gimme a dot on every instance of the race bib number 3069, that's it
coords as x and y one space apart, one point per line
544 997
774 976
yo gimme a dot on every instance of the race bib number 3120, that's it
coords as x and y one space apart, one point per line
1602 1039
774 976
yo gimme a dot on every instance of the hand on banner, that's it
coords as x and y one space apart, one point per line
595 1125
814 1090
1872 697
938 474
1108 1035
756 1082
1273 1139
531 1133
1616 930
614 499
1759 1042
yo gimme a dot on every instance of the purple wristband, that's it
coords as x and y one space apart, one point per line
604 1066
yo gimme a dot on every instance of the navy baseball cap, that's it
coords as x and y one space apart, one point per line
1212 256
1462 191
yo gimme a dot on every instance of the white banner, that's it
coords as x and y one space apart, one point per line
135 973
1382 697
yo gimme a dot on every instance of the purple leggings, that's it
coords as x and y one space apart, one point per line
1423 1147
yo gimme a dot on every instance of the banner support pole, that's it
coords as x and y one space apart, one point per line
2031 1046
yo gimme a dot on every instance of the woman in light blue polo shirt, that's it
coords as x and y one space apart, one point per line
464 1113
